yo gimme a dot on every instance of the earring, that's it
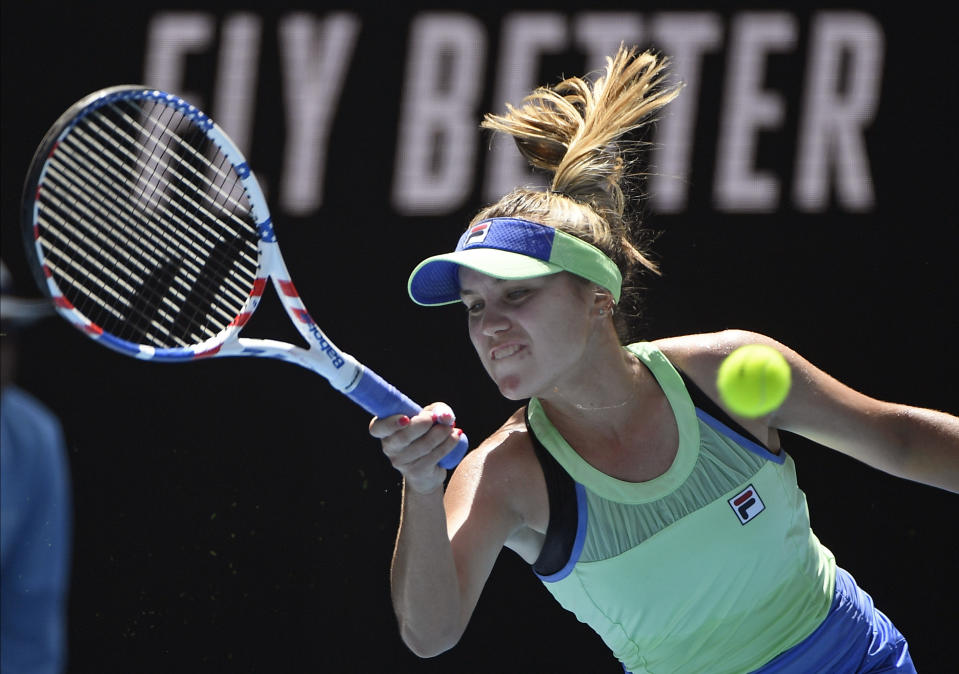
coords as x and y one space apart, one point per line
602 312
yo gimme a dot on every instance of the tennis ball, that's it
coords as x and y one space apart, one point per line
753 380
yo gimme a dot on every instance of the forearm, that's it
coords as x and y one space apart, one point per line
932 441
425 586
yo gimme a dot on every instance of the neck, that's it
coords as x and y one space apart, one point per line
603 392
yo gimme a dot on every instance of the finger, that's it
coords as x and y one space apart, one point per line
436 437
436 413
441 413
430 416
425 474
445 447
382 428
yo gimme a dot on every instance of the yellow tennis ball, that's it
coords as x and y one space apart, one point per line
754 380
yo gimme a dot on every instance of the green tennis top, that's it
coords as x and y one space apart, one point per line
710 567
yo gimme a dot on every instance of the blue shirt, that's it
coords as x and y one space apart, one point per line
35 531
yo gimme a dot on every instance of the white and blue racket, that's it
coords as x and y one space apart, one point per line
149 232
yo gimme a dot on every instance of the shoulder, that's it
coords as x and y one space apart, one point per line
31 446
17 401
818 406
502 471
709 345
24 415
505 453
700 355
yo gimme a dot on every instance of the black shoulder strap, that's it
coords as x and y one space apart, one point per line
706 404
563 512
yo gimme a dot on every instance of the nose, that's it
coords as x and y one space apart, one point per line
493 322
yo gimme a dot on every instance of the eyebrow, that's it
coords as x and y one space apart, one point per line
497 281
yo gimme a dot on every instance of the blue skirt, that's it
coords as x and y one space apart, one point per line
854 637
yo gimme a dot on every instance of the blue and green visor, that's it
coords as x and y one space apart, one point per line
511 248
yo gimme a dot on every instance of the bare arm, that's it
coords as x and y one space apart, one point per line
909 442
447 544
423 578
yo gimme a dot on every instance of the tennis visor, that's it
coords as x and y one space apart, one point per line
511 248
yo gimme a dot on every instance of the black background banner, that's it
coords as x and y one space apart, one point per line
233 515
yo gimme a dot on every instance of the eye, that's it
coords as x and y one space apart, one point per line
473 308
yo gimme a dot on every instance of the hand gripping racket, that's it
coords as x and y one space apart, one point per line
147 228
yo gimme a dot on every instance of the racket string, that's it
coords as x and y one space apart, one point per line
224 175
202 192
126 247
184 229
152 210
243 228
129 220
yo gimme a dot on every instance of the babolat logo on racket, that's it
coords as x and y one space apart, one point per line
326 347
477 234
747 504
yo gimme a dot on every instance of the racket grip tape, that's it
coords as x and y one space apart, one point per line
379 397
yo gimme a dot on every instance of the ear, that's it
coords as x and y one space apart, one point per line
602 302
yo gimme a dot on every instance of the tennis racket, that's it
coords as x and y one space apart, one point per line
147 228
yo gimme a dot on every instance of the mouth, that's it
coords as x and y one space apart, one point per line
502 352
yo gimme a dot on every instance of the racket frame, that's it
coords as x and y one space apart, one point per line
340 369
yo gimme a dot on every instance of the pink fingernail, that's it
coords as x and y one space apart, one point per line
404 420
435 418
459 432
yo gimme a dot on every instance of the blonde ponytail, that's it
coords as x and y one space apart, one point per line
578 132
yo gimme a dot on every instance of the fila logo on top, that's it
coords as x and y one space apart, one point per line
477 234
747 504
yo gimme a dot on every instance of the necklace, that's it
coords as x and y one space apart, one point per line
598 408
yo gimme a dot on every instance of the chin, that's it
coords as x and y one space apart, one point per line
510 395
511 388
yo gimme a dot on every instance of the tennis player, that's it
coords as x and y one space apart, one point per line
673 529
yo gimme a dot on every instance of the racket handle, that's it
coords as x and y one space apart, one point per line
377 396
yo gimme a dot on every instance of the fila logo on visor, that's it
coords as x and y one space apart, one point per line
477 234
747 504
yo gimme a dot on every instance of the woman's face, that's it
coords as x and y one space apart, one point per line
530 334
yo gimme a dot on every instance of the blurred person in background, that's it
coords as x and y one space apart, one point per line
35 509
